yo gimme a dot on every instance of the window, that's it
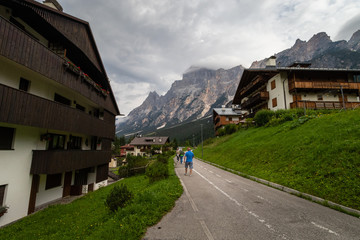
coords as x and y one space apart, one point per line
2 194
273 85
75 142
78 106
60 99
56 142
319 97
6 138
24 84
274 102
53 180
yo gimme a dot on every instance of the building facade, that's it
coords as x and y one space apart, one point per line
224 116
57 109
297 86
143 145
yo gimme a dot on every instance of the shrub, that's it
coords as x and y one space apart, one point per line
163 158
119 197
156 171
230 129
123 171
262 117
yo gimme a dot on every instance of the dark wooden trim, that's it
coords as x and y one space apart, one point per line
67 184
33 192
59 161
102 172
37 57
19 107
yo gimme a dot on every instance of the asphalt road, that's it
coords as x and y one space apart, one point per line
220 205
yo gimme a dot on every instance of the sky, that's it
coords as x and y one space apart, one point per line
146 45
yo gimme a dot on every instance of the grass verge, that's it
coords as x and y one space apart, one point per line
320 157
88 218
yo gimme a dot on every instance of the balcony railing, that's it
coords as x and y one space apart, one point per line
19 107
58 161
323 104
259 81
21 48
256 99
322 85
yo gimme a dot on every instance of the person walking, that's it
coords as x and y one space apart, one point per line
188 159
178 154
181 156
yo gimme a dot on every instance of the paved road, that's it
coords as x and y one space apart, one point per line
220 205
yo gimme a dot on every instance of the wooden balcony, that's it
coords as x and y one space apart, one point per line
23 49
323 85
256 99
19 107
58 161
259 81
323 105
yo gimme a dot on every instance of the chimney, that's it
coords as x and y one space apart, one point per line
271 62
53 4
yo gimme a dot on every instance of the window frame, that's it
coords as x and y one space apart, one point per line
7 144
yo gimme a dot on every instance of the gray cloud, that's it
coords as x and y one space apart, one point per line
147 45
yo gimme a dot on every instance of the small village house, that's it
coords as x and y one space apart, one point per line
143 145
297 86
224 116
57 109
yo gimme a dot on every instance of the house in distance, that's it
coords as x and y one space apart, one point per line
57 109
297 86
224 116
143 145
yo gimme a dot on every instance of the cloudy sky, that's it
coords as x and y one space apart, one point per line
146 45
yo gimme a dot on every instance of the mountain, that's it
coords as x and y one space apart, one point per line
201 89
188 99
321 51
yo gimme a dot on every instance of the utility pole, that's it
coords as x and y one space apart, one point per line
342 95
202 145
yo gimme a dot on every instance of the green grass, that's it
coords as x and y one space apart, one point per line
320 157
88 218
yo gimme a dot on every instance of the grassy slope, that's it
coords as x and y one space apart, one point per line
320 157
88 218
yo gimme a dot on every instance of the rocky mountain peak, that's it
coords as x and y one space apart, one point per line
354 41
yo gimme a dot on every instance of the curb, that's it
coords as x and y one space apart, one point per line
290 190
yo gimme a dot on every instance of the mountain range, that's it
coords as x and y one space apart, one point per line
201 89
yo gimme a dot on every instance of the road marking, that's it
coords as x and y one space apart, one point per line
206 230
283 236
324 228
211 171
193 205
228 180
217 175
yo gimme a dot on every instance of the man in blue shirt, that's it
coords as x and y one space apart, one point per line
188 159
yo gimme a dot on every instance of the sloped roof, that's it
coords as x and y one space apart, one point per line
144 141
226 112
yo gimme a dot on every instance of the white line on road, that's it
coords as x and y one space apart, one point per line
206 230
240 205
324 228
211 171
218 175
228 180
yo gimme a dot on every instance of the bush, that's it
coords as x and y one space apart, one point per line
230 129
123 171
262 117
118 197
156 171
163 158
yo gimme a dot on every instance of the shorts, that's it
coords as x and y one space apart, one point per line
189 164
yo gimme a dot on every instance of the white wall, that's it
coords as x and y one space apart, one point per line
15 172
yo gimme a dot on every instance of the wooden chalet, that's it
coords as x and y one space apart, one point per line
57 109
143 144
297 86
224 116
